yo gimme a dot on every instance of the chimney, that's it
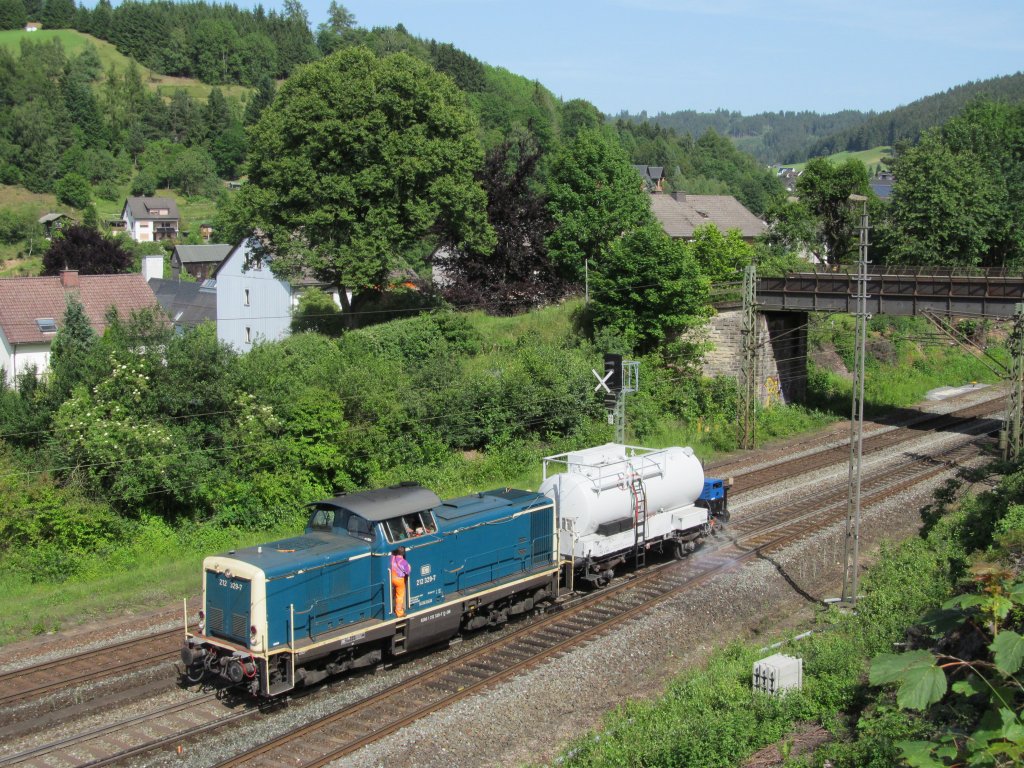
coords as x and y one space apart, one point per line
69 278
152 266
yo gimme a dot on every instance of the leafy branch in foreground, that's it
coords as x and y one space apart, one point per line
967 680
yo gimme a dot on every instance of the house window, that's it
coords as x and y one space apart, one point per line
46 325
248 335
246 301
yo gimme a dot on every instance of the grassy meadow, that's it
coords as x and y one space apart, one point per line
870 157
74 42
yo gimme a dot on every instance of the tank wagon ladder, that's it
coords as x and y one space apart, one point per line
639 494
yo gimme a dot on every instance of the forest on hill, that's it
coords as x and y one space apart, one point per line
786 137
91 133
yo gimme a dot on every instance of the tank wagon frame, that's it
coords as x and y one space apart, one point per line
618 502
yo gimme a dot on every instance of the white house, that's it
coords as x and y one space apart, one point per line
150 218
32 309
252 304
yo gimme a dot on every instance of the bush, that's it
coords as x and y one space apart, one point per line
15 226
317 313
74 190
144 184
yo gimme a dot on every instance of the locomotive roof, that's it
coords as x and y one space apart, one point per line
386 503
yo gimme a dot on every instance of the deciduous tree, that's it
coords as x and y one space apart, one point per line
959 194
821 219
646 289
518 274
74 190
357 159
87 251
595 197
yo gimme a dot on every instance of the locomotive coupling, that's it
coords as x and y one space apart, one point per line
191 655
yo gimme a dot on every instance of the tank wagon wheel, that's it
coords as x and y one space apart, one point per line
193 675
683 549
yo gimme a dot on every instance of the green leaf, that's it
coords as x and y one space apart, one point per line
918 754
942 621
891 667
1016 592
964 601
1008 648
922 687
999 606
972 686
921 682
1013 730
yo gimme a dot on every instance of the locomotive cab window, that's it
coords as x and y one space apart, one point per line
322 519
332 519
409 526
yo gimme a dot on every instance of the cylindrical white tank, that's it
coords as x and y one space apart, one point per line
597 486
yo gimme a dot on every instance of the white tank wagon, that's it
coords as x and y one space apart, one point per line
616 502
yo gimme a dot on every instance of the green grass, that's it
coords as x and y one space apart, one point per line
549 325
73 42
158 569
870 157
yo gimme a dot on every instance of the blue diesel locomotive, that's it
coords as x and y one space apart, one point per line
295 611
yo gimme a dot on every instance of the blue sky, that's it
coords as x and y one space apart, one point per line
745 55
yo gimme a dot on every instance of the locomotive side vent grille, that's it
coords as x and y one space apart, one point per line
239 624
215 619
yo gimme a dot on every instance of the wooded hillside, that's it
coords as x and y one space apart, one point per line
793 137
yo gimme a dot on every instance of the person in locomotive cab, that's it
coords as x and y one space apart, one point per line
400 570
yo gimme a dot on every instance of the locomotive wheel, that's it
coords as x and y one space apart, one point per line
678 551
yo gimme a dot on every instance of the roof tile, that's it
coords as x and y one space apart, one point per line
25 299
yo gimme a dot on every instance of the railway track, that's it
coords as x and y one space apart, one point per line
752 536
117 742
128 656
36 681
889 438
341 733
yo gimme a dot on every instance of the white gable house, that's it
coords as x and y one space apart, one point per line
252 304
150 218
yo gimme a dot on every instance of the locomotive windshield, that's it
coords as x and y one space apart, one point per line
334 519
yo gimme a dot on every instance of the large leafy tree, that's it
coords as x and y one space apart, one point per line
646 289
822 219
595 196
518 274
357 159
944 207
959 197
87 251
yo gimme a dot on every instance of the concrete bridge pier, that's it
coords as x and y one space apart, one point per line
781 358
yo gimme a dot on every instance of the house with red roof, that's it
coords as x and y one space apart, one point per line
32 311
